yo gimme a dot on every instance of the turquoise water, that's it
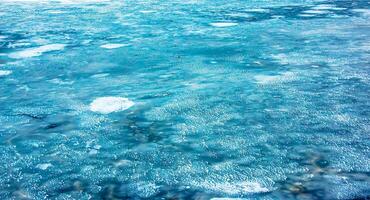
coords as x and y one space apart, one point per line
184 99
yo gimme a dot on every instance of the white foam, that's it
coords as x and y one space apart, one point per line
44 166
37 51
223 24
236 188
267 79
106 105
5 72
113 46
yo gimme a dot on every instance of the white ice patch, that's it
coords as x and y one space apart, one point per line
327 7
306 15
317 12
261 10
5 72
113 46
235 188
223 24
106 105
56 12
266 79
57 1
147 11
365 12
37 51
44 166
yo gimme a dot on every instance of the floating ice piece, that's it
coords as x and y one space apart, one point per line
106 105
37 51
57 1
257 10
266 79
56 12
147 11
44 166
327 7
223 24
121 163
306 15
365 12
5 72
318 12
236 188
113 46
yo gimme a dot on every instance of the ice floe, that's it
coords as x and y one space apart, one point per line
236 188
261 10
318 12
223 24
327 7
113 46
106 105
365 12
56 1
5 72
37 51
44 166
147 11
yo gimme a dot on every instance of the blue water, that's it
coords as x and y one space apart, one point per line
184 99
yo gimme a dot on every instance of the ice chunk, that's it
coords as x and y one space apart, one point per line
37 51
235 188
44 166
113 46
365 12
267 79
261 10
223 24
106 105
318 12
147 11
5 72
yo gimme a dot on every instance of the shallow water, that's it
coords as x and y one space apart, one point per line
184 99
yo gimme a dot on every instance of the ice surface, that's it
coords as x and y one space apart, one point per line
106 105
